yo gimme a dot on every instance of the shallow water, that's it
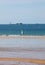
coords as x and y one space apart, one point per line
23 43
28 54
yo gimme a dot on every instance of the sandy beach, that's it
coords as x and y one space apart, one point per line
37 61
19 50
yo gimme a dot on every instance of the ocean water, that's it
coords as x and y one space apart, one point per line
27 29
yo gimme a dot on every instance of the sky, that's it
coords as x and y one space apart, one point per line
22 11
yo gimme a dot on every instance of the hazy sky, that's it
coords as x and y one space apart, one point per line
22 11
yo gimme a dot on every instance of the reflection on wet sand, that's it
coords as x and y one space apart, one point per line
21 54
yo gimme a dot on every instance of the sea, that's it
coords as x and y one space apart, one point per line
22 29
33 48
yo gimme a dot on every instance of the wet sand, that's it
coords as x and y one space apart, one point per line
17 49
37 61
21 60
24 60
